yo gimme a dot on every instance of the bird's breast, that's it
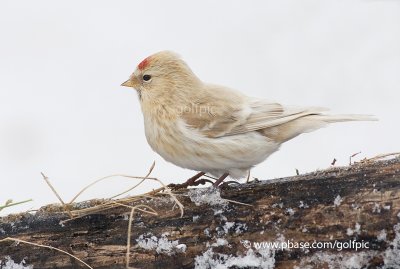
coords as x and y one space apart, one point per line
163 136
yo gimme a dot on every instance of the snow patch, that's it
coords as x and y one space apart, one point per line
341 260
356 230
160 245
382 235
264 258
207 196
240 228
227 226
338 200
290 211
357 260
8 263
207 232
220 242
303 205
376 208
392 253
181 248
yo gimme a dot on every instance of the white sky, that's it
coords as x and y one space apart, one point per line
62 111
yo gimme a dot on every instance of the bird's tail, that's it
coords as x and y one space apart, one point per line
342 118
309 123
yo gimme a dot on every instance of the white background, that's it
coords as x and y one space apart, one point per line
62 111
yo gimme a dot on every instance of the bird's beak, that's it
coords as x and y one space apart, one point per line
128 83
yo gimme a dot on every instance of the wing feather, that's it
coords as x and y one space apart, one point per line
223 112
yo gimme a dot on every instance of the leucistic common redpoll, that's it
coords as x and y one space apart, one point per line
211 128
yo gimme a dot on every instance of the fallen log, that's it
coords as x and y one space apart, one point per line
343 216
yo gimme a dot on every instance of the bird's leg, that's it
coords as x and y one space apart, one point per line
216 183
191 180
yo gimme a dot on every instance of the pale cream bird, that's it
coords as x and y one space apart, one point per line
210 128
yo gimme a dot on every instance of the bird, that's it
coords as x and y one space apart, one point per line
214 129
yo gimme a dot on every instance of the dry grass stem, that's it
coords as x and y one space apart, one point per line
44 246
352 156
138 207
380 156
128 241
145 177
56 193
10 203
111 203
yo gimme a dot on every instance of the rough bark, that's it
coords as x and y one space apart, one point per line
360 202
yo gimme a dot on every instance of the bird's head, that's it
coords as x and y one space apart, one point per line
163 73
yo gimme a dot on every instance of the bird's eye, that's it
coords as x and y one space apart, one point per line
146 77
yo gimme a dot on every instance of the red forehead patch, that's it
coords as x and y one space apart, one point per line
143 64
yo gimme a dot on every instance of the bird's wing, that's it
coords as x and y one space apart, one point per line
223 112
265 114
215 113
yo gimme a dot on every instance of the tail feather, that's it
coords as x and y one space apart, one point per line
343 118
309 123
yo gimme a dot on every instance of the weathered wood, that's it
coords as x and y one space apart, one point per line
360 202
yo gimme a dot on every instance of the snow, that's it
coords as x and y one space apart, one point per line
264 258
338 200
8 263
160 245
227 226
337 260
290 211
181 248
207 232
376 208
360 259
240 228
220 242
382 236
207 196
356 230
392 253
303 205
